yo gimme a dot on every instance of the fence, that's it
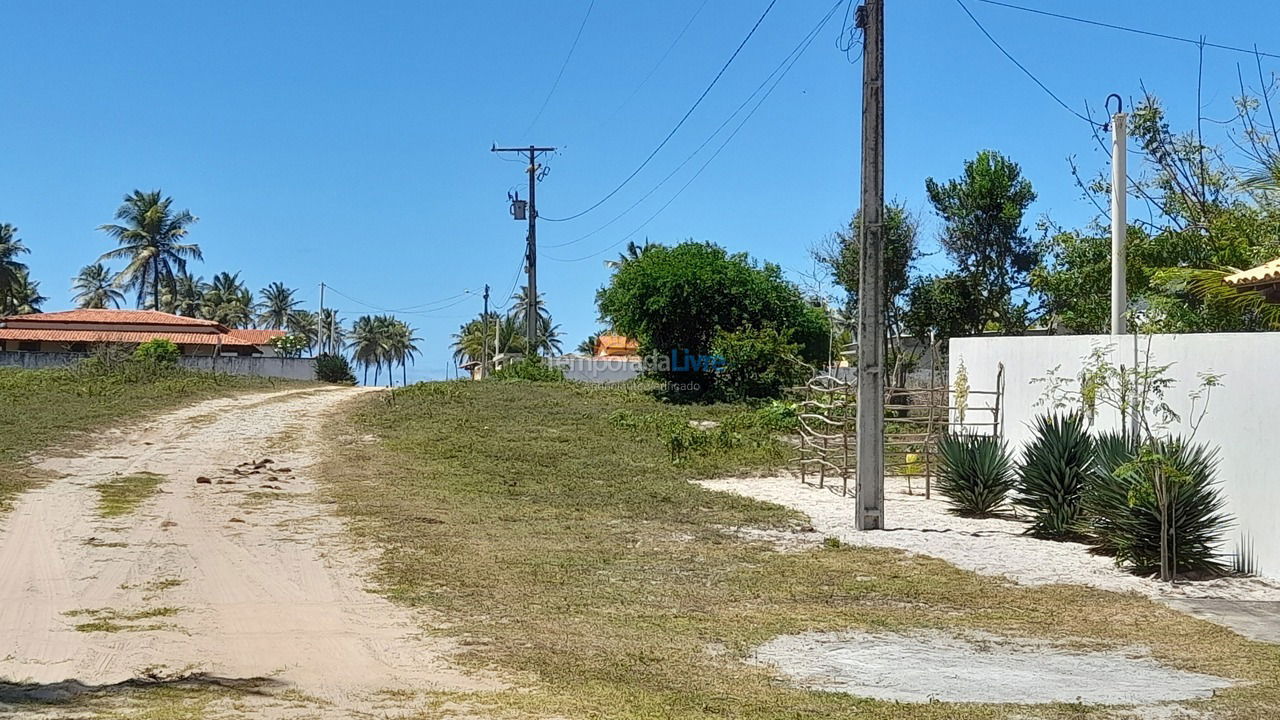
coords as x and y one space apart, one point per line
289 368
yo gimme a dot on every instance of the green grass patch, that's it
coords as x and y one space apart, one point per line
124 494
566 549
39 408
111 621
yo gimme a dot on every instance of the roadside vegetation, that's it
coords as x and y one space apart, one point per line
40 408
547 528
123 494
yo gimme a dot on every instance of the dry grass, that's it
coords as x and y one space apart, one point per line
572 555
111 620
123 494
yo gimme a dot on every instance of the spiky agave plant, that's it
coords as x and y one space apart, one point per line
1055 468
1122 513
976 473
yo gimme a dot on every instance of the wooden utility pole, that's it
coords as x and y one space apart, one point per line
320 324
531 243
484 336
871 328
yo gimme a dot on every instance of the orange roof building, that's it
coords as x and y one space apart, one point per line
1265 279
81 330
616 346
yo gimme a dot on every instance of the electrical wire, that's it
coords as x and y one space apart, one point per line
411 310
796 58
665 140
798 48
658 64
1022 67
563 65
514 282
1124 28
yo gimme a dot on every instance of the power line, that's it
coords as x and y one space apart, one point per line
515 281
410 310
1020 66
1124 28
695 105
560 74
797 49
661 60
796 58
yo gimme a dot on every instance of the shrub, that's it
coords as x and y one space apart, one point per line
757 364
778 416
158 351
1055 468
290 346
530 369
333 368
1120 508
975 474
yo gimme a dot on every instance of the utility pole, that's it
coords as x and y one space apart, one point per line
1119 217
484 335
531 242
871 328
320 324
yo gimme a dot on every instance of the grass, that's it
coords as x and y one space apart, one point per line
572 555
40 408
112 621
123 494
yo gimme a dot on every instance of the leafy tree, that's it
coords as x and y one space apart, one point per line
95 288
982 234
150 241
840 254
159 351
289 346
10 269
332 368
678 299
941 307
278 302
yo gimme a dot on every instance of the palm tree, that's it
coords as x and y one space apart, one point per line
277 304
401 346
10 248
95 288
332 336
588 346
24 296
187 295
365 345
478 340
303 322
633 252
228 301
150 240
547 335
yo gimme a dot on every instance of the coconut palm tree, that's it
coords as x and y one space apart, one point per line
10 248
186 297
365 345
588 346
150 241
228 301
277 303
478 340
95 287
303 322
24 296
633 252
401 346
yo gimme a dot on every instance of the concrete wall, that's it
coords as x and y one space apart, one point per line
598 369
1240 420
290 368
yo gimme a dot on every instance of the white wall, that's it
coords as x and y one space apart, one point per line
1243 418
290 368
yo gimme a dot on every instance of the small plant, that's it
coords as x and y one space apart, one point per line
778 416
531 370
158 351
1055 468
289 346
332 368
976 473
1124 510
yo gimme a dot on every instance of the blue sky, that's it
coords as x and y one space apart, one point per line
349 142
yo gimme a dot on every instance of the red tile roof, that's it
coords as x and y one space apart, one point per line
257 337
227 340
120 317
616 345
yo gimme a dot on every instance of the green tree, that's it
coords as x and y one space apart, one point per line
228 301
982 234
95 288
303 324
150 242
277 303
24 296
676 300
187 295
588 346
10 269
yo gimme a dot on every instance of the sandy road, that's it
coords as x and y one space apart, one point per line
263 582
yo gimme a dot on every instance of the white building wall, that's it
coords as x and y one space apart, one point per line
1243 418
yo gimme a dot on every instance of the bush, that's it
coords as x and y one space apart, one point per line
333 368
779 416
158 351
530 369
1120 509
1055 469
975 474
757 364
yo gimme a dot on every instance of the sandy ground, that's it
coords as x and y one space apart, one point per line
991 546
264 583
980 668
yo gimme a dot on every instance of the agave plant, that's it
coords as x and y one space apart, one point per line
1055 468
1123 514
976 473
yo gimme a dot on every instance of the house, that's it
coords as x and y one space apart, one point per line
80 331
1264 279
616 346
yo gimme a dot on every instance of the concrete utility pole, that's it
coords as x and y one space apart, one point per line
320 324
484 335
1119 218
871 328
531 251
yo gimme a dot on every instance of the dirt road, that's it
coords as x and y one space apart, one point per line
227 577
